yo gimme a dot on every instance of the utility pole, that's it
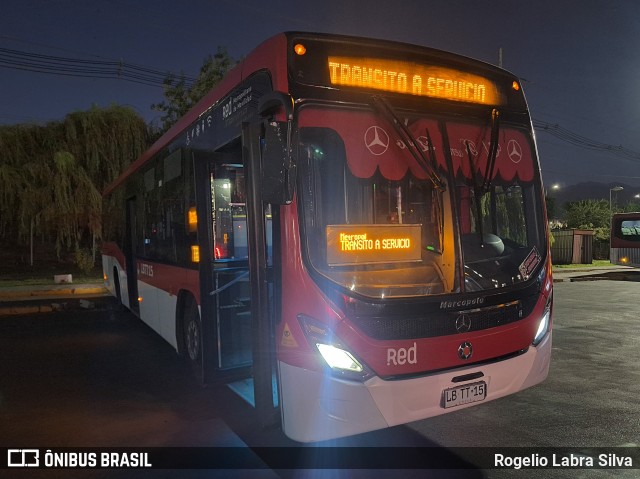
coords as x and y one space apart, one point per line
500 57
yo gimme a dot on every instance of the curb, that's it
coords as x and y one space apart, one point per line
46 293
25 301
598 275
578 279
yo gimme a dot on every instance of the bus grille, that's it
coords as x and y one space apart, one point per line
441 323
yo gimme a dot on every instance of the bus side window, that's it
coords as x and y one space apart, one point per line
629 230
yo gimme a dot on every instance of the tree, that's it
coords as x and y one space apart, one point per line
631 207
35 199
590 214
181 96
104 141
11 184
51 176
76 205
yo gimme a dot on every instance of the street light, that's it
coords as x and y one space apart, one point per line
616 189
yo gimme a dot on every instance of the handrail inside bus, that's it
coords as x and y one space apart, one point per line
229 284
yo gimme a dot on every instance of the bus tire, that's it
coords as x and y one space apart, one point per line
192 332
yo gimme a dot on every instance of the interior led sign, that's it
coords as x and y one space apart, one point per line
413 79
369 244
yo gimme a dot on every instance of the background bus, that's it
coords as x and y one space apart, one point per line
350 233
625 239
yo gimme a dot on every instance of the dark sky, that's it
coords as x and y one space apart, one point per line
580 60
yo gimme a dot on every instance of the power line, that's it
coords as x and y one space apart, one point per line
582 141
109 69
574 173
56 65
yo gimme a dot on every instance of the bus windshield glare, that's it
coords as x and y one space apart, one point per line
376 225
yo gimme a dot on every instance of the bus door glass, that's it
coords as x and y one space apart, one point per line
231 268
233 284
227 279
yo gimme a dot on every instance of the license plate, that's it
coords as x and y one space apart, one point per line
465 394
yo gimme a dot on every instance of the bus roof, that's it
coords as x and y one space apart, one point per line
272 55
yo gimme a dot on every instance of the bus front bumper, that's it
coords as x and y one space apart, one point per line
317 406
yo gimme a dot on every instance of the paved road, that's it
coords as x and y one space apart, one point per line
101 378
590 398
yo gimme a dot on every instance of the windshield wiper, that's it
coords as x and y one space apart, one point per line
382 106
493 150
478 193
428 165
479 190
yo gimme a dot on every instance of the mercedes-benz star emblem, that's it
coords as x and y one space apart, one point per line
465 350
514 151
376 140
463 323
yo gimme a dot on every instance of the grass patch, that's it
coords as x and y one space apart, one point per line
46 281
596 262
35 276
15 269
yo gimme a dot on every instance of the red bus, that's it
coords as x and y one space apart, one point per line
348 232
625 239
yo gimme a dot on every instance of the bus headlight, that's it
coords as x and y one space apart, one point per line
335 355
338 358
545 321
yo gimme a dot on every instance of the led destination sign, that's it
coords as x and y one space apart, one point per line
413 79
368 244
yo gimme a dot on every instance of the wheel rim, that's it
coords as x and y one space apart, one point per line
193 340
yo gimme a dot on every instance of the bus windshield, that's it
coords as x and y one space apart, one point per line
376 224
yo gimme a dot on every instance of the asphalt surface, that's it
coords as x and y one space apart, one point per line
85 373
588 401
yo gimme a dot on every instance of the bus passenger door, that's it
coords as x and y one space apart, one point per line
223 265
234 239
262 228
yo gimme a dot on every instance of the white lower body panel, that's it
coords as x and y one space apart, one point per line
317 406
158 311
157 306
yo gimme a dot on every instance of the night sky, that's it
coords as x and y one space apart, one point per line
579 60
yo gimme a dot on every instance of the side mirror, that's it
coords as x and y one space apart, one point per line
271 103
278 168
